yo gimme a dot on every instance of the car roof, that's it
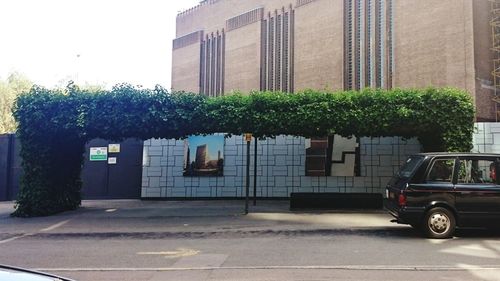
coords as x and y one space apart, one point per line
8 272
457 154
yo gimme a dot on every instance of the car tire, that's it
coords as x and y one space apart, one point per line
439 223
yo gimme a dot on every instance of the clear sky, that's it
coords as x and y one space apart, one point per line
89 41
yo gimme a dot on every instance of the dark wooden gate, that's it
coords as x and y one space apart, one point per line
10 167
113 181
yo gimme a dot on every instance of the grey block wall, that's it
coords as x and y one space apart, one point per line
280 168
487 138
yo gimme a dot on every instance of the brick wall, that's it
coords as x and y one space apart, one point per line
280 168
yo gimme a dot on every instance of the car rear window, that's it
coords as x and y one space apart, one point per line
410 166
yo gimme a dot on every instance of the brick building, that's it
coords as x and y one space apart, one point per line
290 45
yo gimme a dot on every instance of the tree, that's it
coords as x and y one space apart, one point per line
10 89
16 84
90 87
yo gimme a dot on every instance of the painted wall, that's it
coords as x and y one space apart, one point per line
280 169
487 138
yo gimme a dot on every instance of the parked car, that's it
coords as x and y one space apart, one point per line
10 273
436 192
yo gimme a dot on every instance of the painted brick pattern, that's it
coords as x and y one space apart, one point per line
486 138
280 168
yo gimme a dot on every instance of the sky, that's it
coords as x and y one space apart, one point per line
96 42
215 144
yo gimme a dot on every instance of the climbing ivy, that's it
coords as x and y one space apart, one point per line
54 125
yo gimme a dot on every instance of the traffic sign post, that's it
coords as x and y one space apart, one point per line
248 139
255 174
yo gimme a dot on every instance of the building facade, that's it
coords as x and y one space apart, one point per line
290 45
223 46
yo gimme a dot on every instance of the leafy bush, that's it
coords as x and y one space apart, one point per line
54 125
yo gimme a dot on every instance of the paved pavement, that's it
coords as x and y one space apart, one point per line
116 216
213 240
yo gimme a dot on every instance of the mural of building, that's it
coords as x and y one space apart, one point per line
201 157
291 45
203 162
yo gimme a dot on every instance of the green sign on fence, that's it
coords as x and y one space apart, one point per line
98 154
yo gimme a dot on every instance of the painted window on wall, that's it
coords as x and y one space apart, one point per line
333 156
204 156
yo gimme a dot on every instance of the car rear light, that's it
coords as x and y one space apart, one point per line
402 200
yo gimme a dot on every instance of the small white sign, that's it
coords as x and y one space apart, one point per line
114 148
98 153
112 160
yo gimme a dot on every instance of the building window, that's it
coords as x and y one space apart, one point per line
380 44
368 38
207 65
359 44
218 68
291 64
263 55
202 67
286 39
212 52
369 45
270 63
390 42
277 52
223 62
348 45
212 65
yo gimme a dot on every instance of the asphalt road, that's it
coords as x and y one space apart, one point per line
134 240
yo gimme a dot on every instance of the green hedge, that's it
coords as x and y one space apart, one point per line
54 125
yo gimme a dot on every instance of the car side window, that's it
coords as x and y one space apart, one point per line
441 170
478 171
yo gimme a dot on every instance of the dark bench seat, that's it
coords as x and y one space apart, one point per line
316 200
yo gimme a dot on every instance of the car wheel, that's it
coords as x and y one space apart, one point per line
439 223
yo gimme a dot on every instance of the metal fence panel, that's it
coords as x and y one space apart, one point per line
113 181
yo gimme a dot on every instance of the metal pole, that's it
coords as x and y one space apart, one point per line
248 177
255 174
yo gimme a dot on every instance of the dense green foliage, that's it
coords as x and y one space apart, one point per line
54 125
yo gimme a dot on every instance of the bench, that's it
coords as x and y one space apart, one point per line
316 200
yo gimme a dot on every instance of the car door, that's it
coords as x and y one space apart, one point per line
437 186
477 193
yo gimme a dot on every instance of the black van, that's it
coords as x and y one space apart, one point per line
435 192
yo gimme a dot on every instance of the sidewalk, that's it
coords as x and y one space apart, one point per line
157 218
